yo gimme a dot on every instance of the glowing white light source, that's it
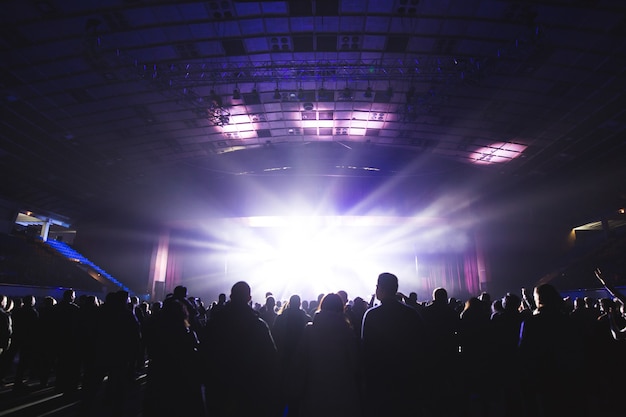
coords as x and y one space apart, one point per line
307 254
497 153
324 221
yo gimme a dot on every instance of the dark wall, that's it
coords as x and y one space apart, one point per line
123 250
520 254
8 213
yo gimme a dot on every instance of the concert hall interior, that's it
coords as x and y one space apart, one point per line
476 145
177 175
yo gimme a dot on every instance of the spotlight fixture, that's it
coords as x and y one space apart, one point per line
277 95
236 94
368 92
346 94
218 116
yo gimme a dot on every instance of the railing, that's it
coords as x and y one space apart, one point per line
73 255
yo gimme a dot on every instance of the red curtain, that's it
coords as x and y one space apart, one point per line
457 273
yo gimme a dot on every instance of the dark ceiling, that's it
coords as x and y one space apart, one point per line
120 104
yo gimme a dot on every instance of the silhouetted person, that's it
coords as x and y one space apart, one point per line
149 331
90 314
288 329
505 329
411 301
118 341
5 324
344 297
549 347
203 312
174 376
355 315
392 340
9 355
68 349
485 303
326 365
242 358
496 308
25 338
6 331
313 304
585 320
267 312
180 294
218 306
475 353
442 324
45 348
608 353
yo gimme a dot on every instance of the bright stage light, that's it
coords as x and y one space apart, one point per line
312 236
310 255
304 255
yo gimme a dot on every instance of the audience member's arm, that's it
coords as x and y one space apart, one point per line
618 334
612 290
528 302
372 300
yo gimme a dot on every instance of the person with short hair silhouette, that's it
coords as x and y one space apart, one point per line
6 326
240 350
267 312
217 306
67 323
548 346
25 335
504 328
392 340
442 326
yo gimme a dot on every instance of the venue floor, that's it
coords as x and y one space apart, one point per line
34 400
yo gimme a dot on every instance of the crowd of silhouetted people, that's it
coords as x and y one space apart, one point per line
392 355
